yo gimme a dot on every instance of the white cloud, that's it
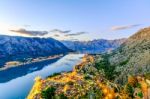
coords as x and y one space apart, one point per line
123 27
30 32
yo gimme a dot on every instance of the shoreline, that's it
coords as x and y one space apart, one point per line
9 65
56 79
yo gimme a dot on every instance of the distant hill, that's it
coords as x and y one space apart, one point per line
14 47
133 57
94 46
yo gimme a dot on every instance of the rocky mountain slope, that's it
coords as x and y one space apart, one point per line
86 81
95 46
133 57
122 74
13 48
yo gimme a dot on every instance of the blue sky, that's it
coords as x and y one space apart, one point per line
108 19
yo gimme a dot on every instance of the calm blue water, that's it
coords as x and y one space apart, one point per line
16 83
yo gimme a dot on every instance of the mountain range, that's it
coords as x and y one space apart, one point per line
124 73
94 46
18 48
13 48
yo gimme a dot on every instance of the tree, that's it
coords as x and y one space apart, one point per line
49 93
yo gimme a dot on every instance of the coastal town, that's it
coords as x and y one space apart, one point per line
11 64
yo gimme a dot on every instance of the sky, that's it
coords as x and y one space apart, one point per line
74 19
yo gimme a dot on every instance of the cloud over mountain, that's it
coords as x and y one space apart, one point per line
116 28
76 34
30 32
56 35
60 31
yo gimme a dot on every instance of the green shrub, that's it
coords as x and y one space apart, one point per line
138 85
108 69
130 90
70 83
147 76
53 75
49 93
140 94
124 62
61 96
87 77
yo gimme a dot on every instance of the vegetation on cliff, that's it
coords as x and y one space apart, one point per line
89 81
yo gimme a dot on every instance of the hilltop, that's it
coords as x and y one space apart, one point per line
133 57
